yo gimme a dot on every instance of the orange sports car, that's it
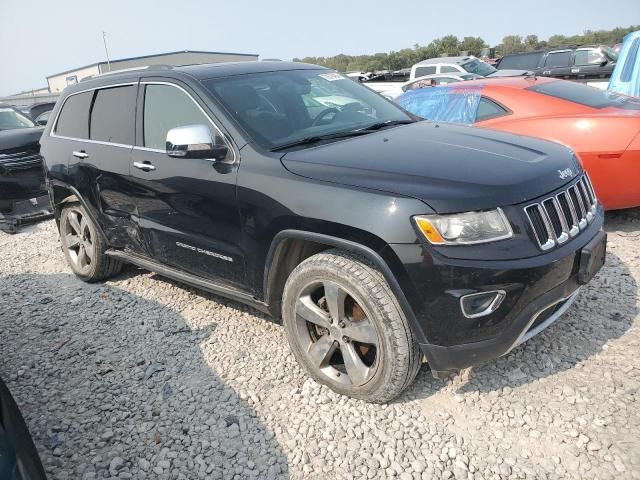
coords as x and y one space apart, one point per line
603 128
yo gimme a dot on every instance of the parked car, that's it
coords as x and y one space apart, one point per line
438 79
19 458
603 128
39 112
378 238
23 194
569 63
465 64
626 76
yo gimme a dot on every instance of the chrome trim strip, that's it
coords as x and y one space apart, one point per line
97 142
493 306
528 334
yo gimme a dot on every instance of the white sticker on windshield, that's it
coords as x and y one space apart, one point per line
331 76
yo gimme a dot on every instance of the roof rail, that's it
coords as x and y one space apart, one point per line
132 69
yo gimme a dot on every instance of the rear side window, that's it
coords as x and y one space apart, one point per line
113 115
422 71
73 120
558 59
167 107
489 109
525 61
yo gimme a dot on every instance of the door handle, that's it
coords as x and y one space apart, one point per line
146 166
80 154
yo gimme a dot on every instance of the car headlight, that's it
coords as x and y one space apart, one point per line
464 228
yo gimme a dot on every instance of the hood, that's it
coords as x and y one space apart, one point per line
451 168
20 139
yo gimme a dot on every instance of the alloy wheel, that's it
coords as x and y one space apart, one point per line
336 333
79 240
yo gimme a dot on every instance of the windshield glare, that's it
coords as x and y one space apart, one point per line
278 108
11 119
478 67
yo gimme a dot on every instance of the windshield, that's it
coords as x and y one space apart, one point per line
279 108
11 119
609 52
479 67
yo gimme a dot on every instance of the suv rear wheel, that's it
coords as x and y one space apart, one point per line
346 328
84 246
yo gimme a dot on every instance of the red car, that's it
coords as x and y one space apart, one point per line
603 128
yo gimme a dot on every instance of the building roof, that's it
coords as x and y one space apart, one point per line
152 56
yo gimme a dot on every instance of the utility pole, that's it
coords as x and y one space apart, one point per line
106 50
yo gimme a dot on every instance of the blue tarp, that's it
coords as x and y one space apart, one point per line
439 104
626 76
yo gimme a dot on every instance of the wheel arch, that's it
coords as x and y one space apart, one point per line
290 247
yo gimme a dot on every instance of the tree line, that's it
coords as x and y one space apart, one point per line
450 45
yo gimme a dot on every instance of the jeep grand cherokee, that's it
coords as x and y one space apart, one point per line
377 237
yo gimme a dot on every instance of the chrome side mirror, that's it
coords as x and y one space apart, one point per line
194 141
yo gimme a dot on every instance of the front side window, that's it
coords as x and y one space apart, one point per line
558 59
73 120
448 69
588 56
278 108
11 119
113 115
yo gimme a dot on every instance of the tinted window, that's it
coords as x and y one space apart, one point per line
525 61
279 108
448 69
422 71
588 56
74 117
585 95
113 115
167 107
558 59
489 109
478 67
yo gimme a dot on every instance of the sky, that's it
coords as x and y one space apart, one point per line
41 37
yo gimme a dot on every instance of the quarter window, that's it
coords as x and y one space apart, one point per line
74 117
558 59
113 115
422 71
489 109
167 107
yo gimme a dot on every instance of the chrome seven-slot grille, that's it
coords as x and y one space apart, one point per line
558 218
15 162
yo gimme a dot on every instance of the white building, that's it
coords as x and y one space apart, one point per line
59 81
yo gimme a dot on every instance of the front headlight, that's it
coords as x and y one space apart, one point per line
464 228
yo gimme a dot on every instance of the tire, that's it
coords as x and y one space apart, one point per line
84 246
337 308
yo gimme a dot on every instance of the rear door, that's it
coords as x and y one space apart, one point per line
558 64
186 207
97 130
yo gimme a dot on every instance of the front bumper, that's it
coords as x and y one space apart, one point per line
538 290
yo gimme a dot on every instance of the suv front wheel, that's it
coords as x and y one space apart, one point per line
84 246
346 329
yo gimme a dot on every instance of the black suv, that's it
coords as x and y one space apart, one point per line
573 63
377 237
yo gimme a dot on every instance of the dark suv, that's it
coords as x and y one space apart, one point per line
377 237
572 63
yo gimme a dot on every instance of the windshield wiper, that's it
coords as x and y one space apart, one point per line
388 123
320 138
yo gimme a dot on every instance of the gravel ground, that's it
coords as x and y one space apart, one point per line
141 377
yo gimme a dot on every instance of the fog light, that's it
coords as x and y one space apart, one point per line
480 304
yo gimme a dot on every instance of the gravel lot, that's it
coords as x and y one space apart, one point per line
141 377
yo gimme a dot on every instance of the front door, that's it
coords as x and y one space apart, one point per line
186 207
